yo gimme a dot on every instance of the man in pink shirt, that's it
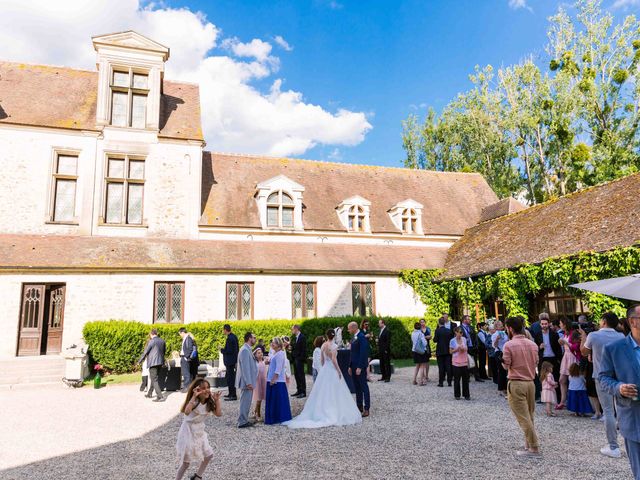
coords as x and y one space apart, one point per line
520 358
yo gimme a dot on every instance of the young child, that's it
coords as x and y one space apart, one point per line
549 397
286 341
260 390
317 355
193 444
577 398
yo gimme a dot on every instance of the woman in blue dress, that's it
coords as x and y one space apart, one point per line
277 407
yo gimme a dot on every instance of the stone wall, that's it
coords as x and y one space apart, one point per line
130 297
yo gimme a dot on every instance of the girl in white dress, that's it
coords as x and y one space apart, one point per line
330 402
193 443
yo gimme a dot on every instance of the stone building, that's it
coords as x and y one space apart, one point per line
112 209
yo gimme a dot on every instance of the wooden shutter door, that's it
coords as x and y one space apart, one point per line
56 319
31 316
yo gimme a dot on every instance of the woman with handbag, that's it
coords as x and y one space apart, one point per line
460 361
419 349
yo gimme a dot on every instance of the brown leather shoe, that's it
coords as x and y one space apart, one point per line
365 413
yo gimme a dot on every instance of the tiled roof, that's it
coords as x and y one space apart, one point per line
597 219
504 207
452 202
60 97
77 253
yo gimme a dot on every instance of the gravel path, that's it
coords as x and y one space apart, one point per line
414 432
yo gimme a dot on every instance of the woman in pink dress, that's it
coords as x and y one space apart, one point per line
570 343
260 392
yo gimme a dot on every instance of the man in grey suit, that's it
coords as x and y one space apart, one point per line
154 353
620 377
246 378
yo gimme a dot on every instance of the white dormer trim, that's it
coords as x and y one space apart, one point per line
407 217
129 51
348 206
283 184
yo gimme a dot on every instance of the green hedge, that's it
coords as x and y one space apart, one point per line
117 344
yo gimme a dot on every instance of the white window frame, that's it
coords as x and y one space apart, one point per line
55 176
125 181
407 210
285 185
358 207
130 90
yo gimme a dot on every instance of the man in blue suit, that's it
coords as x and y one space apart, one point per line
620 377
358 364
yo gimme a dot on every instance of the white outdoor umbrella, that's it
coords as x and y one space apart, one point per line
621 287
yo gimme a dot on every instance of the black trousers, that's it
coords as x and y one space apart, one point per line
493 369
444 369
298 373
230 376
193 366
385 365
461 374
185 369
482 363
502 377
154 372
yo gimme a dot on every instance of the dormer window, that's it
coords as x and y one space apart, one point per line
280 207
129 92
407 217
279 202
354 214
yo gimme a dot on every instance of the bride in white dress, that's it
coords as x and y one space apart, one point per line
330 402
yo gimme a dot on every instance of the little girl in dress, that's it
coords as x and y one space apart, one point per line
548 397
193 443
260 391
577 398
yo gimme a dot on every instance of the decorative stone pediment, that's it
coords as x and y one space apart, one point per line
131 39
354 214
407 216
285 188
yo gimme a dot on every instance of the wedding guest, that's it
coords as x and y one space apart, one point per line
492 365
591 389
144 384
568 358
483 332
154 353
620 376
368 334
359 352
472 345
499 340
448 323
246 380
550 351
549 384
187 356
384 350
262 346
419 349
442 338
577 398
594 345
230 353
260 390
317 356
520 358
193 444
458 349
535 328
277 408
286 343
299 357
195 358
426 331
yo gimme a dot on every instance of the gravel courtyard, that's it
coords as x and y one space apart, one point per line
414 432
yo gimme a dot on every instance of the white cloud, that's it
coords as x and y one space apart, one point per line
518 4
625 4
237 116
283 43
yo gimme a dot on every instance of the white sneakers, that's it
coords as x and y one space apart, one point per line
608 452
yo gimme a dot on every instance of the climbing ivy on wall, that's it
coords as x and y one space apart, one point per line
514 286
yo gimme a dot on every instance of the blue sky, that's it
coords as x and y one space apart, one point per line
386 58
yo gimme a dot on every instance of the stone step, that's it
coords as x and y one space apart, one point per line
11 380
30 370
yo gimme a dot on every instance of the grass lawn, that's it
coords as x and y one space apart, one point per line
115 379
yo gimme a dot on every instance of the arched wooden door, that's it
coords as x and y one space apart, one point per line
31 316
55 299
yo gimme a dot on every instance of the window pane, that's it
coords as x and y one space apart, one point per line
310 300
139 111
287 217
297 300
232 301
272 216
140 81
273 198
355 297
351 221
116 168
176 302
286 199
136 170
121 79
134 207
360 223
67 165
246 301
161 302
119 109
368 299
114 202
64 207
